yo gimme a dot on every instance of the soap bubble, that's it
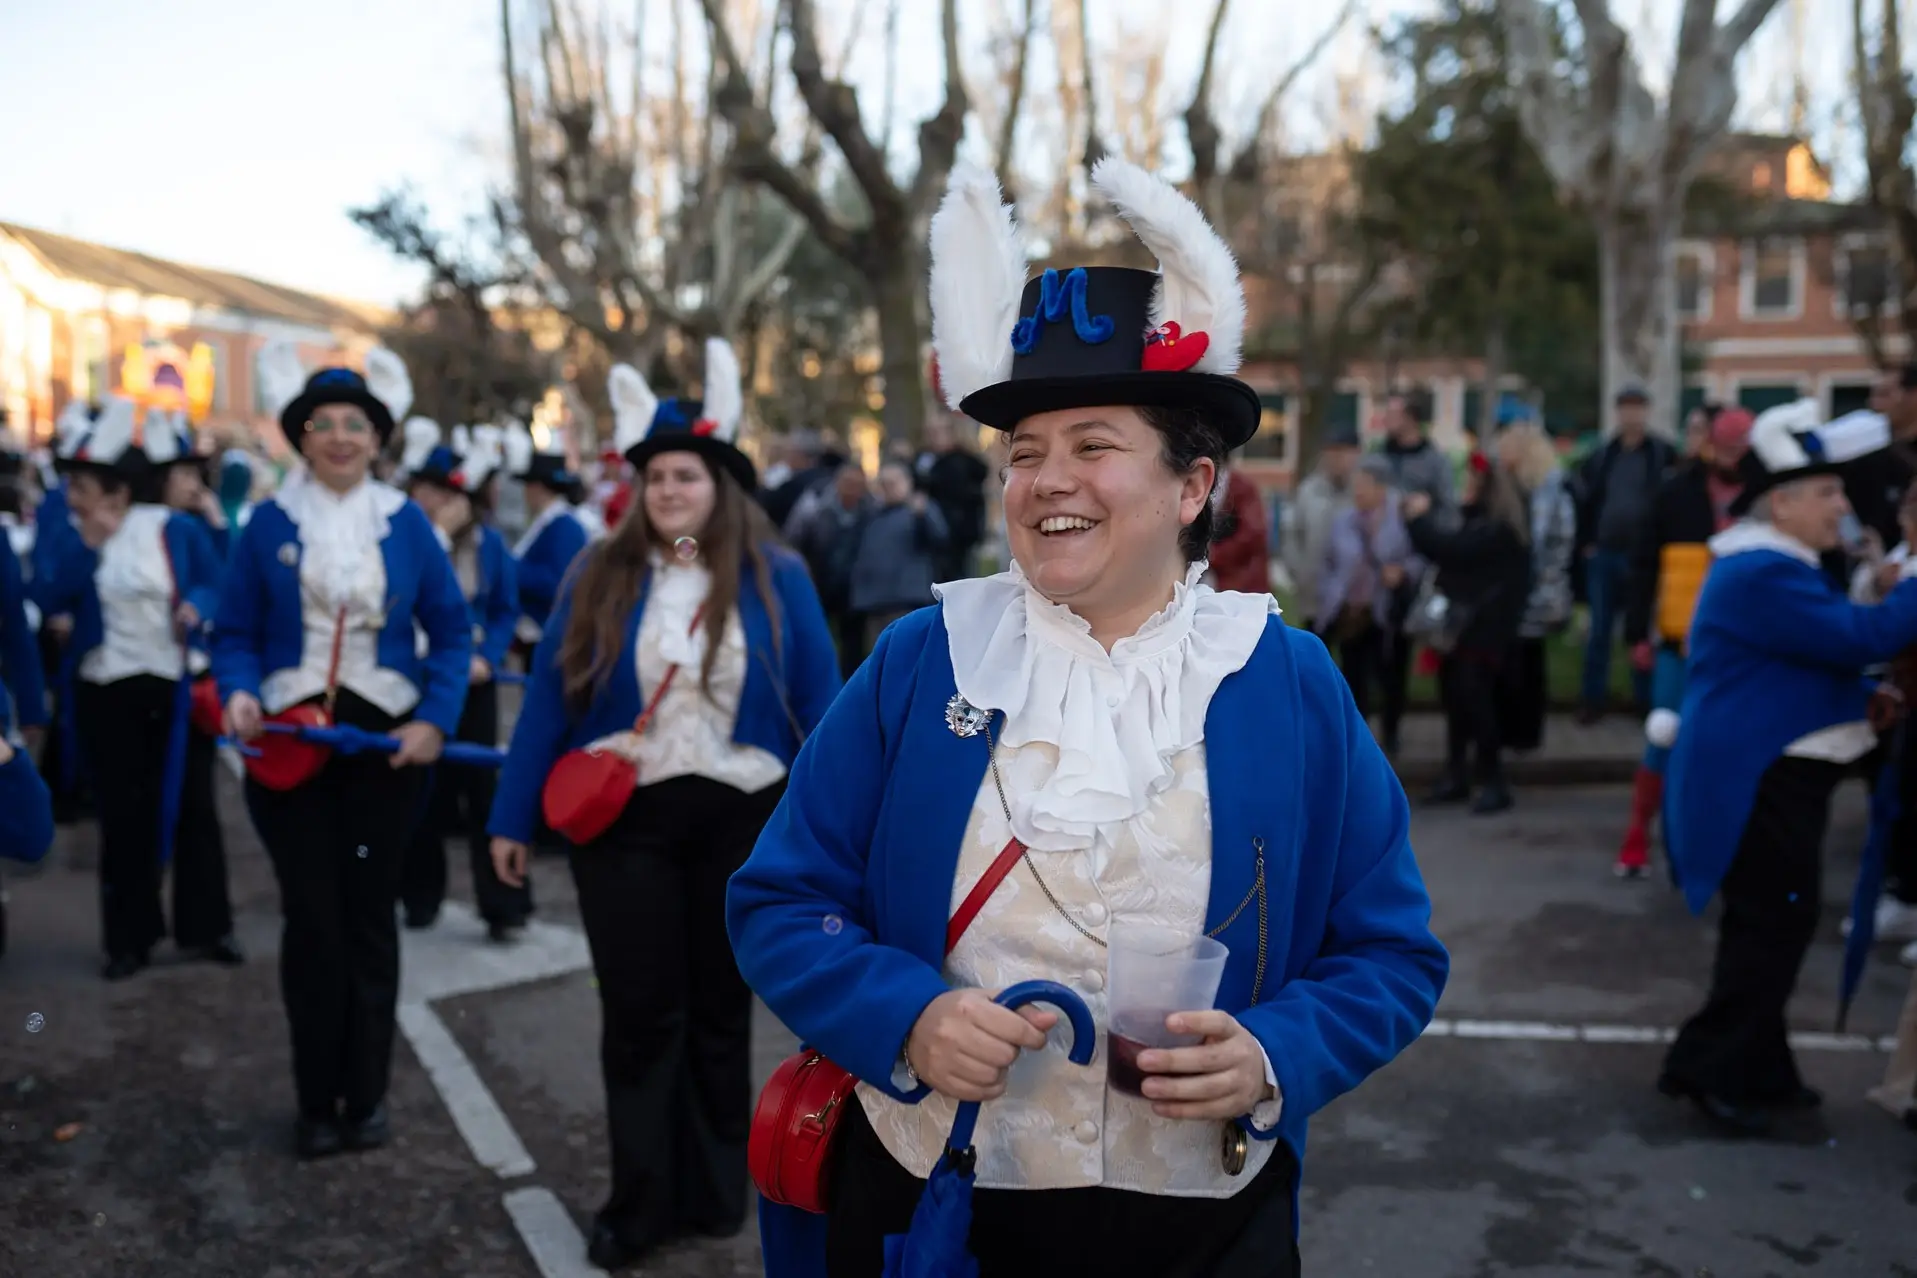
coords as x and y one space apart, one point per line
35 1022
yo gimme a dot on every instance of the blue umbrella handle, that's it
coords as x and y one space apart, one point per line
240 747
1084 1043
508 677
351 741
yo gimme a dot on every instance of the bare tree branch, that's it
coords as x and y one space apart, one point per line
1261 127
1015 101
835 105
1201 128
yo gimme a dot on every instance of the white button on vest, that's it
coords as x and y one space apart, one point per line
1095 913
1094 981
1087 1132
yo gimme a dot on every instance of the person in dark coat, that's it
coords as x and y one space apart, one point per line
954 478
1484 574
896 565
828 539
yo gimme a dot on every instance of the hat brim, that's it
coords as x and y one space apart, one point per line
1760 485
294 416
716 451
1227 403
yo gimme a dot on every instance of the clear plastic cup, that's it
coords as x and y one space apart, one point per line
1150 973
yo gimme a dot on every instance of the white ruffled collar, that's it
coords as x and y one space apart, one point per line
340 534
1116 719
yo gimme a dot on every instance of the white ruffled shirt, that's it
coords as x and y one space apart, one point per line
1104 766
341 567
134 580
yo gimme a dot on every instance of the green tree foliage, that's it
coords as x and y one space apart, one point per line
1502 267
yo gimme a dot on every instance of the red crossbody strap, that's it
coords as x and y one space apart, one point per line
644 720
981 891
332 662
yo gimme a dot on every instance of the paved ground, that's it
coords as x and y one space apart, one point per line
1488 1149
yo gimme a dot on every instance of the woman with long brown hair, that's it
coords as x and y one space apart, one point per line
692 615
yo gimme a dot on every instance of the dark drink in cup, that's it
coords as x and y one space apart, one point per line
1121 1064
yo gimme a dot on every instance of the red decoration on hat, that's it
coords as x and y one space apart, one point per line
704 426
1168 349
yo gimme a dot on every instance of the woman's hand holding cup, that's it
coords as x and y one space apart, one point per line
1221 1078
963 1043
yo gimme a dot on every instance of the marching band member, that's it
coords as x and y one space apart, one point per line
692 609
556 533
136 581
454 486
327 584
1130 746
1776 712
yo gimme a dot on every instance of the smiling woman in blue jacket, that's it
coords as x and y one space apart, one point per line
136 581
454 486
1137 750
694 610
329 584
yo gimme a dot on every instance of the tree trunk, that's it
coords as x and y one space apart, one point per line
897 298
1639 315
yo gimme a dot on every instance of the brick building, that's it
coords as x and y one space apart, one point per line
70 311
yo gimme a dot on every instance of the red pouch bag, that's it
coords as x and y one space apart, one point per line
283 761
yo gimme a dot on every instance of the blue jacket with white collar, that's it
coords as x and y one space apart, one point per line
543 567
838 918
1777 652
787 690
68 586
20 671
261 629
495 609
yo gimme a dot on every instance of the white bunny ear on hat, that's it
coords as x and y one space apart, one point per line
633 404
461 439
162 438
1775 435
485 451
421 436
113 431
1198 285
75 420
388 380
282 376
517 447
978 280
724 395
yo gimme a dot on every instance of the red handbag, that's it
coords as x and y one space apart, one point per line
796 1122
282 761
587 789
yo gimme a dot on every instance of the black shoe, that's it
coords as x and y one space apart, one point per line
317 1138
1449 790
1588 715
369 1132
609 1251
504 932
1739 1120
120 966
1494 798
226 951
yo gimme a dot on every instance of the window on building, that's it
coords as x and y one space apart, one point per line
1693 271
1274 429
1690 397
1849 398
1343 414
1758 396
1867 278
1761 176
1773 277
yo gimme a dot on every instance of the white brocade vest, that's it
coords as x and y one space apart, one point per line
1058 1126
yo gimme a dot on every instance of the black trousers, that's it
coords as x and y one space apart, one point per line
124 728
458 801
676 1017
1468 687
1900 864
1737 1048
1523 691
1377 656
1062 1233
337 844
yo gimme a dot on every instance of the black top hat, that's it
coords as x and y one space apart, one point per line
645 425
335 386
1008 348
550 471
1085 338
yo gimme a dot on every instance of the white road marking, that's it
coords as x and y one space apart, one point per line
453 958
1547 1032
488 1132
547 1229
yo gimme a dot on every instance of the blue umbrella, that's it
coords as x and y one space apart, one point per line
935 1245
1884 810
350 740
173 775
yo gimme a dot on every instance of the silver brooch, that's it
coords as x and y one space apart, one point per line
289 553
964 718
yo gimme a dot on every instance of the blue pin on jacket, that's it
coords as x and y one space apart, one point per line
936 1244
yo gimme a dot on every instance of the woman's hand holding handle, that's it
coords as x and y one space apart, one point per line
509 861
963 1043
